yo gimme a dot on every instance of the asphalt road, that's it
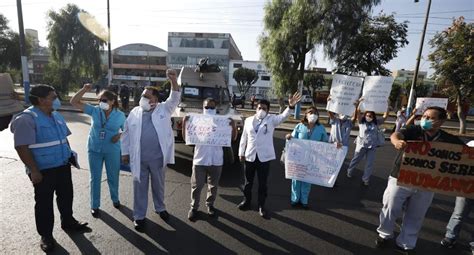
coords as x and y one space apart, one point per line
341 220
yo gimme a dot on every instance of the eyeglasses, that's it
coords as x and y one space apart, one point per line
209 107
103 100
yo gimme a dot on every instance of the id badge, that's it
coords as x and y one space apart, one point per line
102 135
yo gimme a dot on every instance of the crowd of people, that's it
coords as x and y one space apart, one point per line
145 140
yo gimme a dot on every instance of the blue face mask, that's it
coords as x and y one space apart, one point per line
56 104
426 124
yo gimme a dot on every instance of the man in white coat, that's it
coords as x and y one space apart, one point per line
148 144
256 149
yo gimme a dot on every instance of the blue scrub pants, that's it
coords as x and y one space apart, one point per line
112 169
369 162
300 191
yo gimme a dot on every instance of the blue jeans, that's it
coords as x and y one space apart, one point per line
461 212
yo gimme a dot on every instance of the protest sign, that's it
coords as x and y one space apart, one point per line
424 102
208 130
438 167
313 162
345 90
375 93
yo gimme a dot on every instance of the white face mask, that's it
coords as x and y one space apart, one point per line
261 114
369 119
145 104
342 117
312 118
104 106
209 111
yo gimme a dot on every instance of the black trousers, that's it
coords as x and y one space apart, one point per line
262 170
5 121
57 180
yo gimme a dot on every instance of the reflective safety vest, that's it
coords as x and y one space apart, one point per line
51 148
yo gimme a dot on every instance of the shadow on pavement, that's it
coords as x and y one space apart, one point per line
83 244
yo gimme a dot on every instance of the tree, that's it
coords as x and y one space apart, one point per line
10 57
245 78
313 82
75 52
453 62
376 43
294 28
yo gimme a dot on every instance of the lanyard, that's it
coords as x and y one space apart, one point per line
102 123
434 138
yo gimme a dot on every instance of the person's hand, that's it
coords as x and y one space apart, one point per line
116 138
414 111
400 145
288 136
186 118
171 74
242 158
36 177
231 123
293 100
328 99
338 145
126 159
87 87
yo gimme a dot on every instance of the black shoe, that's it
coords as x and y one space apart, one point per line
294 204
244 205
406 251
448 243
117 204
192 214
47 244
305 206
139 224
95 213
78 226
211 211
164 215
262 212
381 242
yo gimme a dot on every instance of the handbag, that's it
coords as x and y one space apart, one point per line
381 137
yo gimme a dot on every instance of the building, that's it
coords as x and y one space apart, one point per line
262 86
185 49
38 59
402 75
139 63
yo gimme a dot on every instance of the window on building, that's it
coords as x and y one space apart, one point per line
265 78
237 65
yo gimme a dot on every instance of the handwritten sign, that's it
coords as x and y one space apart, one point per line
438 167
313 162
424 102
208 130
345 90
375 93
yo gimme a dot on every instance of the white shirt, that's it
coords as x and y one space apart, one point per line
205 155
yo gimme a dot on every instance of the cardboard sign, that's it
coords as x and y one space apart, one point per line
424 102
438 167
375 93
313 162
208 130
345 90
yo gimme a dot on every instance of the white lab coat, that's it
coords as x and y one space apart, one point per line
261 142
161 119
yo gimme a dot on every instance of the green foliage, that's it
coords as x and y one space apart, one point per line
10 57
75 52
313 81
376 43
294 28
245 78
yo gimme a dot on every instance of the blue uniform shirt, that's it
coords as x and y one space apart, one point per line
318 133
100 123
368 135
340 131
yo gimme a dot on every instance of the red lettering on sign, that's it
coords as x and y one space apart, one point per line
421 148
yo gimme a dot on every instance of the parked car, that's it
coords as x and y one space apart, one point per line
306 99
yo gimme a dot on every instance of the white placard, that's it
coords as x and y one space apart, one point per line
208 130
345 90
375 93
424 102
313 162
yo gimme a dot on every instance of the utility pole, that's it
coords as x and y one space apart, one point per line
24 59
108 44
411 98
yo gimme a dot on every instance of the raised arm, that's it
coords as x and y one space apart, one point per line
411 120
355 115
173 100
292 101
76 99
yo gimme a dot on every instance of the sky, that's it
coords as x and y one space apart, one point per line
149 21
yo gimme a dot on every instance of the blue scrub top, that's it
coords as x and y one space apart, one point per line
110 126
318 133
340 131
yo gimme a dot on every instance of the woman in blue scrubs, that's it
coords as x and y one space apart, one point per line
103 144
309 129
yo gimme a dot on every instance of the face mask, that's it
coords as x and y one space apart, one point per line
56 104
369 119
209 111
261 114
104 106
312 118
145 104
426 124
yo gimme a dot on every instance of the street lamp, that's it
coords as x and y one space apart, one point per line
415 75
